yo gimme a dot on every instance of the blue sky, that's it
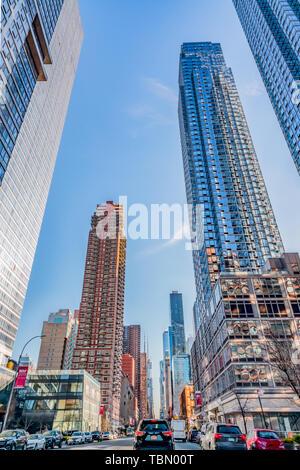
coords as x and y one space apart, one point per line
122 138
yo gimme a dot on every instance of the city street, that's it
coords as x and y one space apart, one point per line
124 444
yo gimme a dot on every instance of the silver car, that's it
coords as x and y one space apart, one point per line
36 442
220 436
76 438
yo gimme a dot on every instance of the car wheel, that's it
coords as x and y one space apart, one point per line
60 445
12 447
24 447
52 445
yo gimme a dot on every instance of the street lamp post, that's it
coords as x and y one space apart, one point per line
260 394
14 382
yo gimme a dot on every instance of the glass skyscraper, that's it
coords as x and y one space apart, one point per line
272 28
177 324
40 48
222 173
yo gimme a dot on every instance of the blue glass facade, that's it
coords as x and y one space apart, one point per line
222 174
272 28
24 26
177 324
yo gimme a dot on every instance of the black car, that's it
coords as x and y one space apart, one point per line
97 436
192 436
13 440
57 439
49 440
153 434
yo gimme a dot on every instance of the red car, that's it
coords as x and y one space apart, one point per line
263 439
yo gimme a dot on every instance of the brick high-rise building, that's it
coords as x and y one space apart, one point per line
128 367
56 332
100 332
132 346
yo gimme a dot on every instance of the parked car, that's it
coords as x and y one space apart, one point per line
107 436
88 437
129 433
223 437
15 439
192 435
36 442
57 439
97 436
50 440
68 434
76 438
263 439
153 434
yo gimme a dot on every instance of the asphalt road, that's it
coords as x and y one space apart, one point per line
124 444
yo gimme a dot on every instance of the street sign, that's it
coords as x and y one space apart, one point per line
21 377
198 399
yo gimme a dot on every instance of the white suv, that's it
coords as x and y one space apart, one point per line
76 438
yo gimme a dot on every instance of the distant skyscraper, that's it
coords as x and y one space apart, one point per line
150 387
238 229
162 388
71 342
143 387
128 367
272 29
181 376
100 331
40 47
56 333
177 323
132 346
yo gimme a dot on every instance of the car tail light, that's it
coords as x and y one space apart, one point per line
140 433
218 436
243 437
168 433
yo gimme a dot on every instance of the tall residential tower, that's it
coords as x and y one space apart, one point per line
40 47
100 330
236 227
272 28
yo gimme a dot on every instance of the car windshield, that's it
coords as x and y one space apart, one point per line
77 434
7 434
195 431
48 433
228 429
33 437
106 432
154 427
267 435
87 433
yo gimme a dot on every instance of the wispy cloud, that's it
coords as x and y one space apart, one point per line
161 90
178 237
149 114
254 88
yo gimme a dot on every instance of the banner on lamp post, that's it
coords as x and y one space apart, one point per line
21 377
101 410
198 398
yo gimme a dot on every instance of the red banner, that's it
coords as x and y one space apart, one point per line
198 399
21 377
101 410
